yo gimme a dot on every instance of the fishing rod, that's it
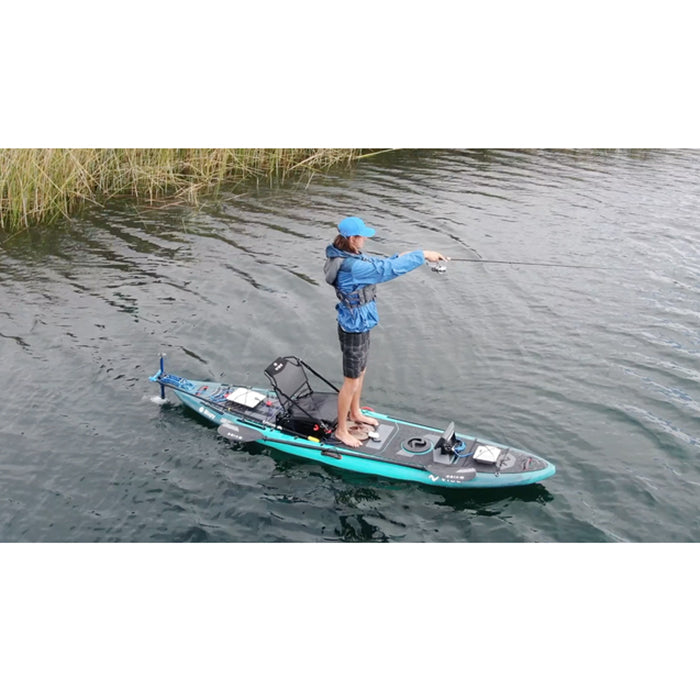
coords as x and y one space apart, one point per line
441 268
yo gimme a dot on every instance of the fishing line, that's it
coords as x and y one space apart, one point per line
439 267
524 262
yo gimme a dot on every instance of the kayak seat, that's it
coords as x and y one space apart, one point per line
289 380
318 409
303 410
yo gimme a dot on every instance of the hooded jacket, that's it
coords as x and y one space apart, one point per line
351 273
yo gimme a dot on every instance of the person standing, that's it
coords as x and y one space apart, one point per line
355 276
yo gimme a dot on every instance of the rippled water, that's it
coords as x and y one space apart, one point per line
595 368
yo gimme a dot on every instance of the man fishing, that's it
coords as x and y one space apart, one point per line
355 277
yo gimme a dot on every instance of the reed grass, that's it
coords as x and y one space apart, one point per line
44 185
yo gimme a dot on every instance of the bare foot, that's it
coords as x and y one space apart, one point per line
362 418
347 439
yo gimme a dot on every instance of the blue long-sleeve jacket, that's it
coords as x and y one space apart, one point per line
357 272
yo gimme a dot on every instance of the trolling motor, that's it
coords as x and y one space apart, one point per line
160 374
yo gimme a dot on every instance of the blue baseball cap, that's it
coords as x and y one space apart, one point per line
353 226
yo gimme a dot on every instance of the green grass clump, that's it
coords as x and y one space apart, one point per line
43 185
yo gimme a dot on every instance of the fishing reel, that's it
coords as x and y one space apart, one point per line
438 267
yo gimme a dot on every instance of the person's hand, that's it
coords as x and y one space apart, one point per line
433 256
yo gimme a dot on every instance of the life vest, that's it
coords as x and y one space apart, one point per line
355 298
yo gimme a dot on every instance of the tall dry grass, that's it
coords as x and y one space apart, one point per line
43 185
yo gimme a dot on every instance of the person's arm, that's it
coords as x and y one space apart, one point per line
376 270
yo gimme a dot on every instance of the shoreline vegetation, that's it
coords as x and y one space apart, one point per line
43 185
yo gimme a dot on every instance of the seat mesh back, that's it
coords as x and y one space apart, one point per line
288 379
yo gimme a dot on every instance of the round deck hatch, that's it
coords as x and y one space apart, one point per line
417 445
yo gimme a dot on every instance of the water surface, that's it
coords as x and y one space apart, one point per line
595 367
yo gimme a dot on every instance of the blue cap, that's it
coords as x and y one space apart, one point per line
353 226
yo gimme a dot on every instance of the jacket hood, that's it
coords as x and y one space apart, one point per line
333 252
334 259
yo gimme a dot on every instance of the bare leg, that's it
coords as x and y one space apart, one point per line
355 411
345 398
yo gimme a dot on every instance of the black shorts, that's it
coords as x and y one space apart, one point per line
355 347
